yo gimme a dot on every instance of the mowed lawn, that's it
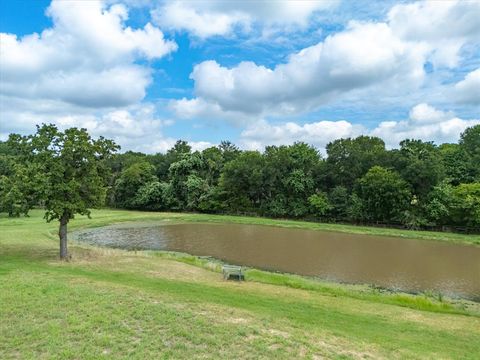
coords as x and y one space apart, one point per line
116 304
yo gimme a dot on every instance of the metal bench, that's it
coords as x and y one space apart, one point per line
233 272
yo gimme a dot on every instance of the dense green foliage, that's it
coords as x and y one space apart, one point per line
65 172
383 194
418 185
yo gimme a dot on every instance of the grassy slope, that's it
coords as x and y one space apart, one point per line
111 304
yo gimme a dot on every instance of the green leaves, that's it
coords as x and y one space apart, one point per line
466 205
153 196
470 144
349 159
420 164
64 171
319 204
131 179
384 195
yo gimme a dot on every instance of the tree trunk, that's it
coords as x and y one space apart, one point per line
62 233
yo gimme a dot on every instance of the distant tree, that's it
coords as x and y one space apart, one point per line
159 161
339 198
383 193
319 204
470 144
415 216
350 159
289 179
130 181
242 181
154 195
470 140
454 205
68 171
465 209
456 164
189 165
213 162
420 164
212 201
196 189
176 153
119 162
439 205
229 151
355 210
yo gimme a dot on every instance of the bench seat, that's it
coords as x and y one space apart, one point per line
233 272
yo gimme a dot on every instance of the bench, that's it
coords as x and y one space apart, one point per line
233 272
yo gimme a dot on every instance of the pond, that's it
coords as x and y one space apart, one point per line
389 262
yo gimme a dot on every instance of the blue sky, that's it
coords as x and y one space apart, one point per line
147 73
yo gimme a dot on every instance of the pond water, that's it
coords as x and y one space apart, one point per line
390 262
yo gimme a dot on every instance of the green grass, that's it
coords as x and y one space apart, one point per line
109 303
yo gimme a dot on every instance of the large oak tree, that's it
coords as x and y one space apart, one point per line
68 171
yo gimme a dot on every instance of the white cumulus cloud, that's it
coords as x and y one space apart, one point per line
206 18
87 58
258 135
363 59
136 127
468 90
200 109
365 54
424 122
444 25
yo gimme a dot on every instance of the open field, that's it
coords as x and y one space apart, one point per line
112 304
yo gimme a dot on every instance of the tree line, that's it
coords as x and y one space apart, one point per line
418 185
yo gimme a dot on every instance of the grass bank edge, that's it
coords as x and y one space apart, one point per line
431 302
